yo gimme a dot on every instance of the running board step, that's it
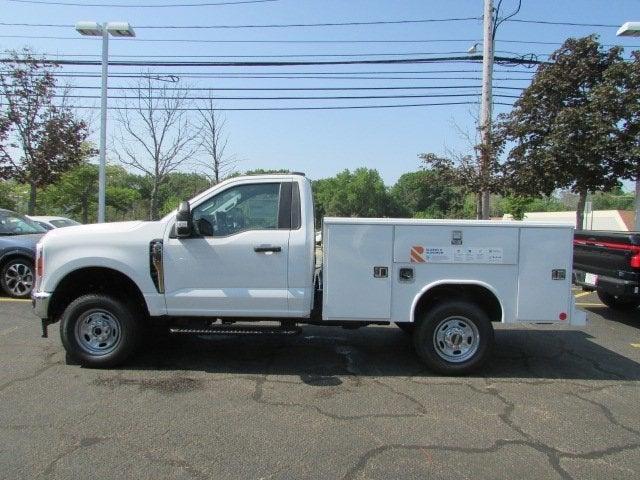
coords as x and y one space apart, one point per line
237 330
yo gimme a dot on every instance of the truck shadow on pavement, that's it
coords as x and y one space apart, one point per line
322 355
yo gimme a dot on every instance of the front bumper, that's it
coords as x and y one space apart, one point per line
40 304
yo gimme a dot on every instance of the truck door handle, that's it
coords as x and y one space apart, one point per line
267 248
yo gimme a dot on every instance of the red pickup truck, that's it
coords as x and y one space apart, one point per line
609 263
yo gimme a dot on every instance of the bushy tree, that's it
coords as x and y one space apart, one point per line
360 193
40 137
425 194
564 131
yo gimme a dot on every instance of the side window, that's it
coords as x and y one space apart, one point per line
245 207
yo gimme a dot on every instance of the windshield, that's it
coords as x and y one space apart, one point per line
64 222
14 224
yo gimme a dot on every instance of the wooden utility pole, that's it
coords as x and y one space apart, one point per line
485 114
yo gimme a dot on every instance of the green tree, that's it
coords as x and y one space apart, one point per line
75 194
40 138
424 194
562 129
7 195
360 193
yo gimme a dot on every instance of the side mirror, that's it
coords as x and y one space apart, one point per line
183 220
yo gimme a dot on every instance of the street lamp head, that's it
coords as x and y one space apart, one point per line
91 29
629 29
120 29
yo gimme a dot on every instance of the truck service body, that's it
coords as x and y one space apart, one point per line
244 251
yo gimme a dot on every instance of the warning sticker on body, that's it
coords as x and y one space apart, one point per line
477 255
425 254
438 254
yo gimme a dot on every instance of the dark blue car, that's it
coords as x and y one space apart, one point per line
18 238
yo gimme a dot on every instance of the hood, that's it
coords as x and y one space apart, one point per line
28 242
97 229
114 235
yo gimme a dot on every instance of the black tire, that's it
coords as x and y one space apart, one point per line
108 335
619 303
17 278
448 318
406 327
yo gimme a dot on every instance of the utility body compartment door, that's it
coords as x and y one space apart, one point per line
543 296
357 272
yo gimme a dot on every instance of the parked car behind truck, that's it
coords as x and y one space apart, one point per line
609 263
18 238
51 222
243 252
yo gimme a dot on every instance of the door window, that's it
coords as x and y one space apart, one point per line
245 207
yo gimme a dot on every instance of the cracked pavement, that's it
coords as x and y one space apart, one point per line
330 403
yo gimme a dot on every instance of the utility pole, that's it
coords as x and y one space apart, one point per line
487 100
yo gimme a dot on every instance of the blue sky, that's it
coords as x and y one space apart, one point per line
322 143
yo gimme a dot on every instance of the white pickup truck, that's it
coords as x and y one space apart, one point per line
244 251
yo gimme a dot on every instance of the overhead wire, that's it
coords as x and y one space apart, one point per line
335 97
324 41
272 25
338 107
155 5
123 63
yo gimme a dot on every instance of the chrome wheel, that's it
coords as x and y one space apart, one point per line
456 339
98 332
18 279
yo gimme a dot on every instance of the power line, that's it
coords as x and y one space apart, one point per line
280 25
337 97
120 5
570 24
265 41
124 63
318 55
346 107
290 89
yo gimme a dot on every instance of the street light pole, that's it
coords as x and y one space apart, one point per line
94 29
485 113
102 174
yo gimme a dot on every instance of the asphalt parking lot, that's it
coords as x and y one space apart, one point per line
330 403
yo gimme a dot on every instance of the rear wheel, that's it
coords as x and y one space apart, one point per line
99 331
618 302
16 278
454 338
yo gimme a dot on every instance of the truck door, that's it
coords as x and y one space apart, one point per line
235 263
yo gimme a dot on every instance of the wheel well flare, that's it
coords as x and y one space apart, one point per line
95 280
474 293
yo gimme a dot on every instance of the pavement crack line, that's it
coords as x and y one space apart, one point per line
82 443
39 371
606 411
554 456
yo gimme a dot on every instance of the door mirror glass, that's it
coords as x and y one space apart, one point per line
183 220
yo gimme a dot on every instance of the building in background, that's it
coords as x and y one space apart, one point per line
618 220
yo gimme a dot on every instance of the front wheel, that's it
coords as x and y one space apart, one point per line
99 331
454 338
16 278
617 302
